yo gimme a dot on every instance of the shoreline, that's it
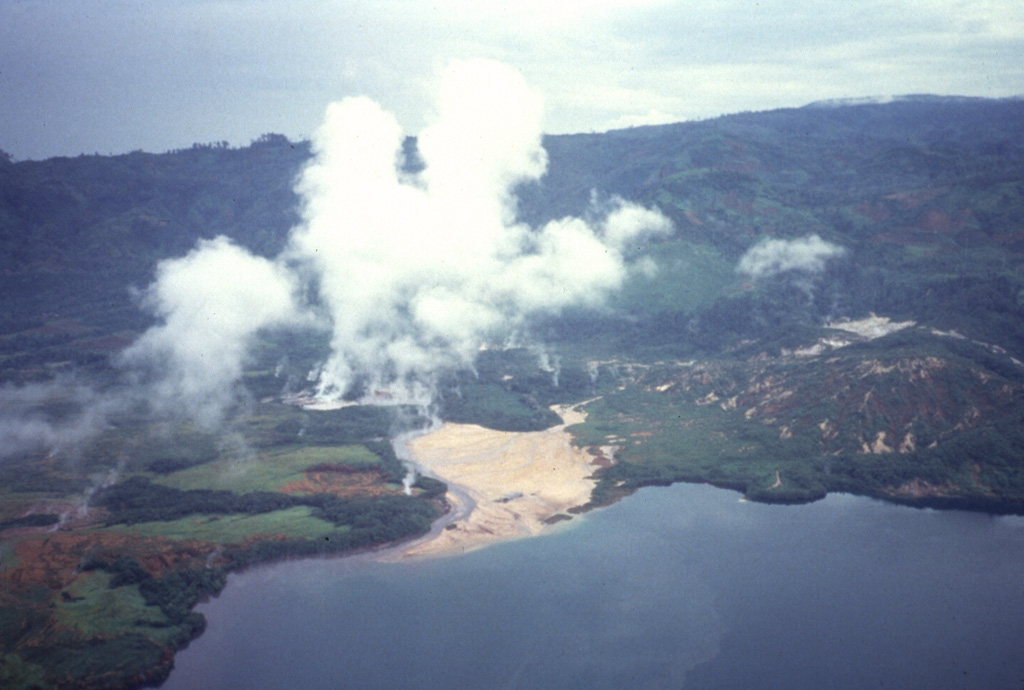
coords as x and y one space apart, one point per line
502 485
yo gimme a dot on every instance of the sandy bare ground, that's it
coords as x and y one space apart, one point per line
517 481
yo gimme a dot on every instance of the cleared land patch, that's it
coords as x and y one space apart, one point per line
269 471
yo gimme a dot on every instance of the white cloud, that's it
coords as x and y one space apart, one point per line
26 427
417 273
628 225
771 256
414 273
211 303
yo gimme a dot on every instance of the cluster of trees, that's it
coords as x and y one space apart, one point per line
186 450
138 500
118 661
174 594
389 461
36 520
509 391
76 232
353 424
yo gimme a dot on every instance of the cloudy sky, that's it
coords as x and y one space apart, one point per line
112 76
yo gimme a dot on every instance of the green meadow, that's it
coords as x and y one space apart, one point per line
94 608
267 470
297 522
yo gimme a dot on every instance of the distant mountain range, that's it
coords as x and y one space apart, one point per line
913 97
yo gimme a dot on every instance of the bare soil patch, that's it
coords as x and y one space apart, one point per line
519 482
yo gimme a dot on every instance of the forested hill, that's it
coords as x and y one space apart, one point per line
924 191
926 194
815 156
76 232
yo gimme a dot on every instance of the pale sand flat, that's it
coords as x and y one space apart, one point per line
518 480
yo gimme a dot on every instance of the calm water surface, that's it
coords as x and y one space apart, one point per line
673 587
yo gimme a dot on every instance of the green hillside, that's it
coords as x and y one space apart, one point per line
895 371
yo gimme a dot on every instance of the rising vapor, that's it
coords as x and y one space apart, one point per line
413 273
212 302
774 256
28 424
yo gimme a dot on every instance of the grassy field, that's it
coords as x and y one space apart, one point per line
267 471
295 522
94 609
14 503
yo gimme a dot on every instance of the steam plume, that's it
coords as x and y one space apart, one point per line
773 256
212 302
418 273
414 273
25 426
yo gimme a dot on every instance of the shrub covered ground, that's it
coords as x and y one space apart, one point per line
100 576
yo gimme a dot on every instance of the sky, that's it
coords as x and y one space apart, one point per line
112 76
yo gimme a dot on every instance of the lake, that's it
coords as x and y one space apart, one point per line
684 586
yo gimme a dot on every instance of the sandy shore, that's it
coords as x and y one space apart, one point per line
517 481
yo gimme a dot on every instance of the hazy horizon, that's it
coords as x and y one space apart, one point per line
157 76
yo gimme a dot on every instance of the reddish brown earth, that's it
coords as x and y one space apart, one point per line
53 559
919 488
342 481
600 459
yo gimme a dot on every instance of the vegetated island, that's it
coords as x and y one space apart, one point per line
897 373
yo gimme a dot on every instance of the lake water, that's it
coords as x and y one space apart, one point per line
673 587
